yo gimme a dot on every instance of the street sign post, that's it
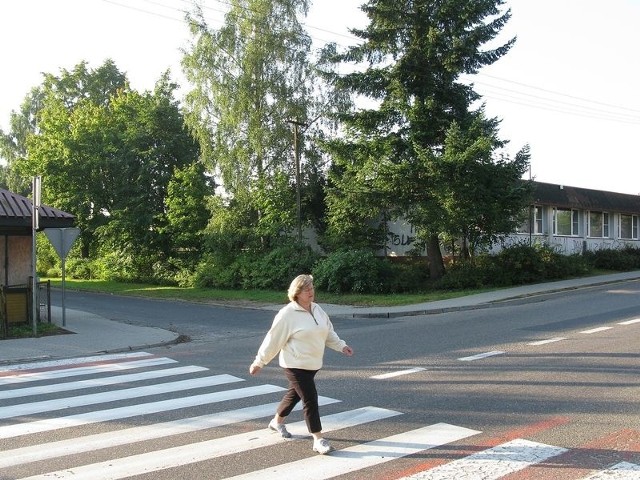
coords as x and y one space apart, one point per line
62 240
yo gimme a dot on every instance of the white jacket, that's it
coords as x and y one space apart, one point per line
300 337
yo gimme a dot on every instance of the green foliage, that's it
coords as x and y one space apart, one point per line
392 155
210 272
478 273
186 210
407 276
351 271
624 259
107 155
253 83
514 265
271 270
277 268
79 269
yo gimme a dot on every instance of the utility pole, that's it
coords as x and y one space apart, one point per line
296 149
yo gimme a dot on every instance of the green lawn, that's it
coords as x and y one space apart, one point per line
250 296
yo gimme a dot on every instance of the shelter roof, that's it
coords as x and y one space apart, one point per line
16 211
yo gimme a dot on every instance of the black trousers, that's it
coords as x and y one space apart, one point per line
302 387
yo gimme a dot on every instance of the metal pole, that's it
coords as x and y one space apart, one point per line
35 224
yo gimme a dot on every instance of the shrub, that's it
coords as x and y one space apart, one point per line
212 272
406 277
351 271
275 269
79 268
621 260
477 273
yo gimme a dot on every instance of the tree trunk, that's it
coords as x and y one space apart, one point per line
436 264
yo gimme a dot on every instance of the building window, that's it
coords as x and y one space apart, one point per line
598 224
629 227
533 224
565 222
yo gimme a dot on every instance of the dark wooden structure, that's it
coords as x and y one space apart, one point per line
16 249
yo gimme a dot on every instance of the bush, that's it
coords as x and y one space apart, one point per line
406 276
271 270
514 265
479 273
79 268
352 271
275 269
621 260
212 272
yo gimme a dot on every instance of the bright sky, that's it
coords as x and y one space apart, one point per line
569 87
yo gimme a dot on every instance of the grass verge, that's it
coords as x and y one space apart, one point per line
252 296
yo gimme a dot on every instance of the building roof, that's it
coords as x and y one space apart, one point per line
564 196
15 215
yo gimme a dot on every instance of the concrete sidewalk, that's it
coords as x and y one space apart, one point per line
92 334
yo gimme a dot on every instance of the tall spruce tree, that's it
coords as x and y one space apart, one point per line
392 159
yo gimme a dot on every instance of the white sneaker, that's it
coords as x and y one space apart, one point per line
280 428
322 446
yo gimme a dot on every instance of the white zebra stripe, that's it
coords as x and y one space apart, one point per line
78 371
103 397
50 424
197 452
100 382
71 446
620 471
72 361
493 463
350 459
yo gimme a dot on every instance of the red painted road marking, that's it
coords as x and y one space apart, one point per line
522 432
599 454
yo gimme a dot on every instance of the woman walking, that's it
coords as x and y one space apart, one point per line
299 334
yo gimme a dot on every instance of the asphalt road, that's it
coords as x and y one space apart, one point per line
559 370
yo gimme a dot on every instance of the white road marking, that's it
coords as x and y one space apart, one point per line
78 371
493 463
50 424
72 361
596 330
397 374
89 443
350 459
549 340
630 322
196 452
100 382
620 471
480 356
103 397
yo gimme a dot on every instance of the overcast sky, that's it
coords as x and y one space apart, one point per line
569 87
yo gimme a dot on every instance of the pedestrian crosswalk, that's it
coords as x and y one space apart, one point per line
81 419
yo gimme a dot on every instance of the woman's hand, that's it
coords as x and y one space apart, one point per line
254 369
348 351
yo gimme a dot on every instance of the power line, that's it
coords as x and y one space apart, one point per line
560 94
567 104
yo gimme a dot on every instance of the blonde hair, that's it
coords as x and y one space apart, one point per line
301 282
